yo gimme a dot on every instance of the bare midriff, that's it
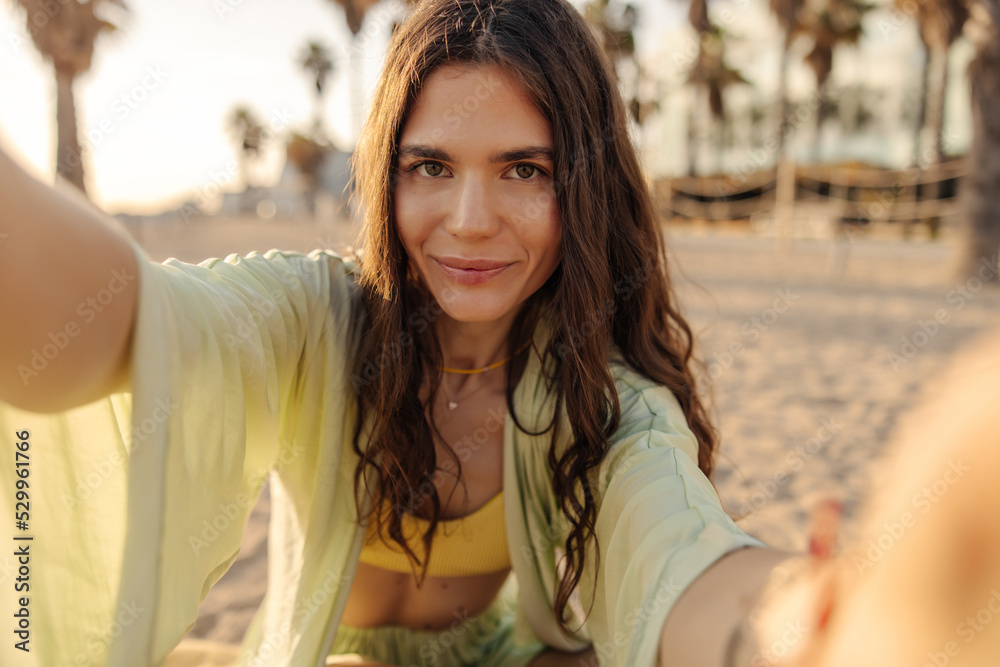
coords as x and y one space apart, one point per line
382 597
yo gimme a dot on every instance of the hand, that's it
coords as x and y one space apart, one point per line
921 583
788 626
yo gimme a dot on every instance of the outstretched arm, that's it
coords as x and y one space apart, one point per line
700 627
70 285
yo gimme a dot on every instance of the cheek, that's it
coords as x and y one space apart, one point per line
539 208
416 214
545 239
409 223
552 226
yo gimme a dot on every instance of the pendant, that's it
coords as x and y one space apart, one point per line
452 405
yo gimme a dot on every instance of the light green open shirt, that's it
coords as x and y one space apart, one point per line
241 372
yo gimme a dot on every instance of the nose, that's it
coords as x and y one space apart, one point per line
474 211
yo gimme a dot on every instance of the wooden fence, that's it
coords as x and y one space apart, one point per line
826 195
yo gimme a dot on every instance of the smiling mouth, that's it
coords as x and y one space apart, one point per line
467 274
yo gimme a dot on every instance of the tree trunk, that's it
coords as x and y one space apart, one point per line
692 138
821 113
69 158
783 105
924 100
938 95
357 92
981 242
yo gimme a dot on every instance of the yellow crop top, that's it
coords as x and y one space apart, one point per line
472 544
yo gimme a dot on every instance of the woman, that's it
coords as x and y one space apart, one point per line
501 384
516 195
508 231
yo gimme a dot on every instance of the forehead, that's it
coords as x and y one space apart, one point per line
479 106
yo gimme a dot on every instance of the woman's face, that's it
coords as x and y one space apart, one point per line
474 200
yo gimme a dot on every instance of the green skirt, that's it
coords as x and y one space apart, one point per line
486 640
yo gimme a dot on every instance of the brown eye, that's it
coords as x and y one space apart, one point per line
524 170
432 168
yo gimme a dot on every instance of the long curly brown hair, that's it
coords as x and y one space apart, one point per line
612 285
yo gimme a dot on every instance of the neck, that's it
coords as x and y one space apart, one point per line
472 345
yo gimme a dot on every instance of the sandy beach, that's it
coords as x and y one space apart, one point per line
815 350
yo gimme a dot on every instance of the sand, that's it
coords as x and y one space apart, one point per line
816 351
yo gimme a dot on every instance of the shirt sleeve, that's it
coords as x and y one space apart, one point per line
138 501
659 525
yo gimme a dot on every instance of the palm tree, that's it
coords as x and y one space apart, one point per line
65 34
615 28
317 62
831 24
308 155
250 135
978 254
788 14
939 24
710 73
354 14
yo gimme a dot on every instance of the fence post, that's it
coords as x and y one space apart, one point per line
784 203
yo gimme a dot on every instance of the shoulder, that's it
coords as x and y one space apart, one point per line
649 408
320 276
294 295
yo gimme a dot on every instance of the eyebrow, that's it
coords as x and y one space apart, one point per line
513 155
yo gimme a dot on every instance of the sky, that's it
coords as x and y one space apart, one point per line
152 111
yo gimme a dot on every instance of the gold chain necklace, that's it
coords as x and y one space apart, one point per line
473 371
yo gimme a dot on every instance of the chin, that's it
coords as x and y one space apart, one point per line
473 315
471 308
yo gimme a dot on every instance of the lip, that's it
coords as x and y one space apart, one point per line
471 271
475 264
